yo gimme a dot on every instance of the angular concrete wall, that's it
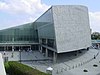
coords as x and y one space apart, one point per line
72 31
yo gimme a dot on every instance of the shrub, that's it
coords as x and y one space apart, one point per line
16 68
7 67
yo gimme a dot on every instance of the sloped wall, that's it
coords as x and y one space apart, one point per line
72 30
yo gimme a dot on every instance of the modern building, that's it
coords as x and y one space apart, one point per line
20 37
62 28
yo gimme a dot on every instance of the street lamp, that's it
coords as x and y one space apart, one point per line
20 56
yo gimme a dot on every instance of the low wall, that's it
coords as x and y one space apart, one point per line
2 69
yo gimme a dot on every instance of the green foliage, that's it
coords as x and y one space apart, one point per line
16 68
95 36
7 67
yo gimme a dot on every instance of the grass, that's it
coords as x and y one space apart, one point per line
16 68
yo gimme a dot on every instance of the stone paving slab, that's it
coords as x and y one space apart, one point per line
68 65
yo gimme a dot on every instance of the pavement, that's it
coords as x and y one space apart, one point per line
67 63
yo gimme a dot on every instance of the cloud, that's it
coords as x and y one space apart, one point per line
23 11
23 6
33 9
95 21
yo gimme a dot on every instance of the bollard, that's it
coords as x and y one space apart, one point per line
73 67
76 65
61 70
57 72
65 69
79 64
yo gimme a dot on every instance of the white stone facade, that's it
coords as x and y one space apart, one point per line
72 30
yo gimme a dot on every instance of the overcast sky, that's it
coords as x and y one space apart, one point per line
18 12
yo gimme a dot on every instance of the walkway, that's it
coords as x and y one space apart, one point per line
69 63
78 65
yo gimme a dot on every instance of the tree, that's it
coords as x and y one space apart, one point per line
95 36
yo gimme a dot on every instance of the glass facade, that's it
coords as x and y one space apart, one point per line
24 33
45 27
30 34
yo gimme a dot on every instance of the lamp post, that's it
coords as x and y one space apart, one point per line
19 55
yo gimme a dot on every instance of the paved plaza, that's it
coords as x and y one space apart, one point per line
24 55
72 63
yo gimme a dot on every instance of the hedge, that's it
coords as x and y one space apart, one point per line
16 68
